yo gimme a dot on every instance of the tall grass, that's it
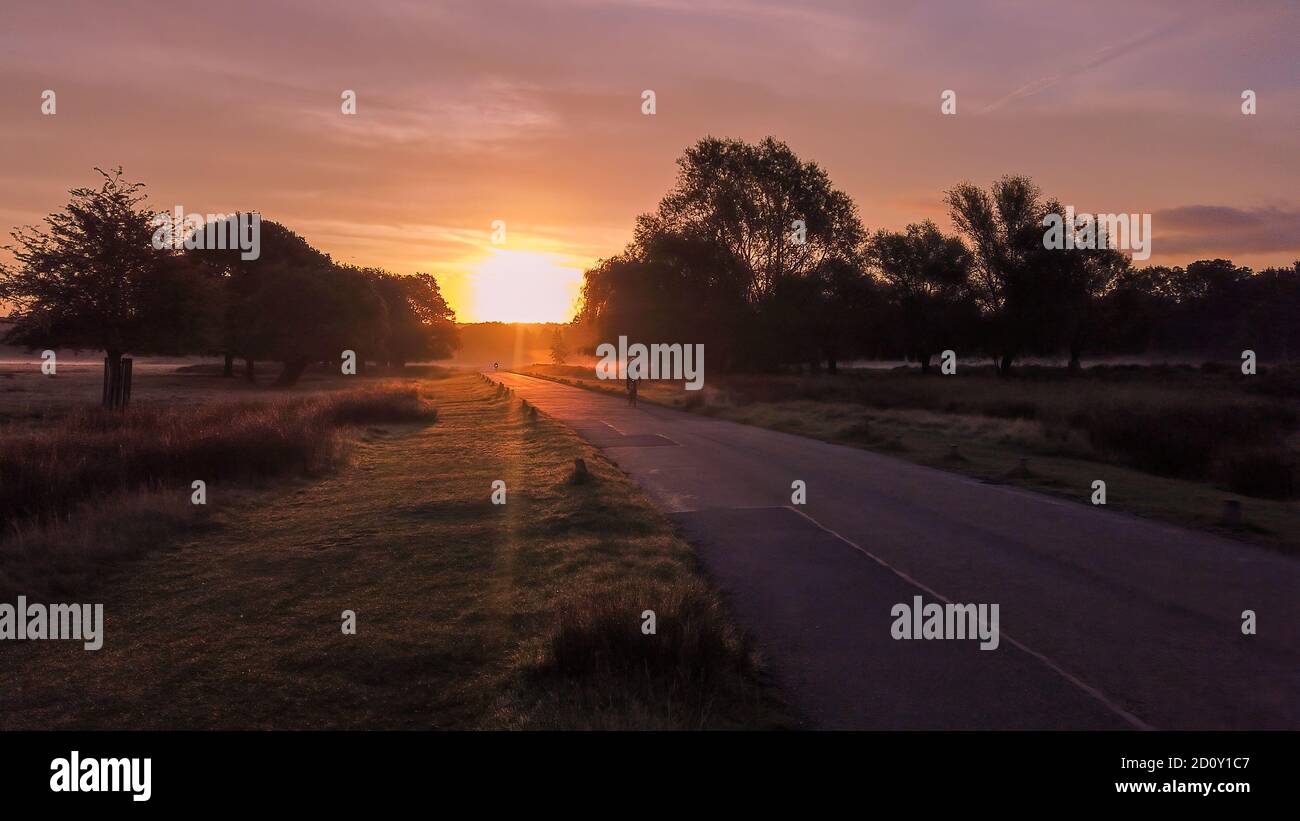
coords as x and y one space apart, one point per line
696 671
1185 439
92 453
1211 425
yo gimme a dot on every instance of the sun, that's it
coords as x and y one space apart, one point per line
524 286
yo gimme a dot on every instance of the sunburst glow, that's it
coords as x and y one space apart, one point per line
524 286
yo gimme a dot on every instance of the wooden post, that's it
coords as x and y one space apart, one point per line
126 382
115 384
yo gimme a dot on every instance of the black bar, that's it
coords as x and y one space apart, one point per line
334 769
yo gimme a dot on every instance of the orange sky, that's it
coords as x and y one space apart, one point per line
530 113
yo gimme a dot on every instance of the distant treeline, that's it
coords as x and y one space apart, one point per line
93 278
512 344
756 255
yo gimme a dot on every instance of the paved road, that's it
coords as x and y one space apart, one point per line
1106 620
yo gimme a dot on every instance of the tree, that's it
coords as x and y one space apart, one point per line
418 324
776 214
670 287
559 348
309 314
245 285
851 317
1004 228
929 275
1271 321
743 244
92 280
1075 281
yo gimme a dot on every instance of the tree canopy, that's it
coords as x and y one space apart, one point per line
92 278
756 254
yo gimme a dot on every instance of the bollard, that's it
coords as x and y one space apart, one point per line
1231 513
580 473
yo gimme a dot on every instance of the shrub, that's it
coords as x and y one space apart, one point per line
1180 440
860 431
92 453
1266 473
1280 381
695 663
393 406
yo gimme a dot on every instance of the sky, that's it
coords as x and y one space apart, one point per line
530 114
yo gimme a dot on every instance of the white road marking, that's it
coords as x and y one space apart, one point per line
1052 665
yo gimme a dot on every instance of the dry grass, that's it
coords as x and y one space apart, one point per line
91 453
599 668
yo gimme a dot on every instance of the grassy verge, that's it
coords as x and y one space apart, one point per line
469 614
1210 436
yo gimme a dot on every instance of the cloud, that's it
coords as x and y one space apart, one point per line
1223 229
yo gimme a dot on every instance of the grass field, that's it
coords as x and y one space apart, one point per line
1171 443
469 614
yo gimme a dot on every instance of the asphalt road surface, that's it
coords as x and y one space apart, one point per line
1106 620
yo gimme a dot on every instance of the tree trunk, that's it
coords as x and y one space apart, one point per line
112 377
1075 365
1004 365
228 370
117 380
292 372
250 373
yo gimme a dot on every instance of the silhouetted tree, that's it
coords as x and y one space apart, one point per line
304 315
1270 321
245 285
746 233
751 199
1074 281
418 324
91 279
929 275
670 287
559 348
851 319
1005 231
